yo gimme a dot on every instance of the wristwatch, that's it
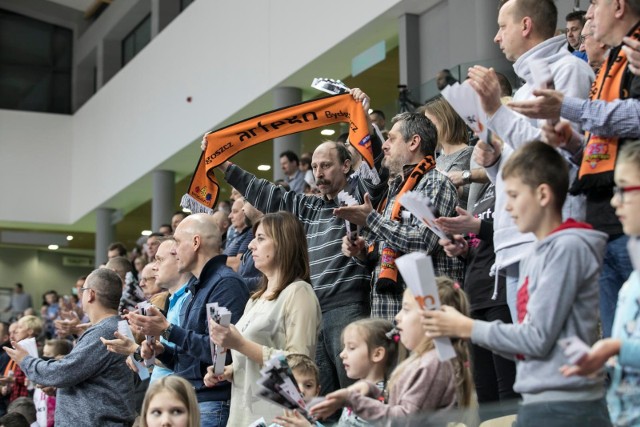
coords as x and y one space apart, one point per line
466 177
165 334
136 354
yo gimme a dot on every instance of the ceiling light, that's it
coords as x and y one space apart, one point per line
53 247
264 167
69 237
146 232
327 132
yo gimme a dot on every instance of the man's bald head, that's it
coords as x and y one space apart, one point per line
197 240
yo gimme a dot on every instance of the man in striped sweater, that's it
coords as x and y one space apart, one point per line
341 283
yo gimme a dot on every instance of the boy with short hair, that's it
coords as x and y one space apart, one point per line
557 297
307 375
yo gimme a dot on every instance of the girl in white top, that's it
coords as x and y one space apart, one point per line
282 316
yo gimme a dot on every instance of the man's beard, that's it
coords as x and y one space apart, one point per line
395 167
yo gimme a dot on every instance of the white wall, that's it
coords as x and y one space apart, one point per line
35 166
223 54
38 271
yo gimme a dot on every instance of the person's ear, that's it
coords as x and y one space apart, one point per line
527 26
378 354
544 195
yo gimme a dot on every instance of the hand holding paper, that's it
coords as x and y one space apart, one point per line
417 271
421 207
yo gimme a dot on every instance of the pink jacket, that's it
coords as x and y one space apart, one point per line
425 385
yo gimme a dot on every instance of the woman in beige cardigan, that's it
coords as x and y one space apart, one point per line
282 316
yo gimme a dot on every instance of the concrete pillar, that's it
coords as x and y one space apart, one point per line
162 204
284 97
409 50
109 60
162 13
105 234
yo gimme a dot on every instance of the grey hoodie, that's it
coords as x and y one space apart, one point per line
573 77
557 298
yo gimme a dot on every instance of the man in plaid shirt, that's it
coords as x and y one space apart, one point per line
409 153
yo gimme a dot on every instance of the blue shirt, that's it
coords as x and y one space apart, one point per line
176 301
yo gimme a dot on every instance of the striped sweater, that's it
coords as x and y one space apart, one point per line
337 280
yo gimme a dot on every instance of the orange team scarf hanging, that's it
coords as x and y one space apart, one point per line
388 278
224 143
599 158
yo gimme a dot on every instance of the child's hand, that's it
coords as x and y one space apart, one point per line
292 418
331 404
361 387
446 322
593 361
210 379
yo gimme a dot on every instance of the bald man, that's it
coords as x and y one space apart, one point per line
197 251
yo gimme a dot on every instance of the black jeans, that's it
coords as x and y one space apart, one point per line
494 375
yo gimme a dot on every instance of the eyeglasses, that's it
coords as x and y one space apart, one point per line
582 38
619 191
84 289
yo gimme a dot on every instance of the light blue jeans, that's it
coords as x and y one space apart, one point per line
214 413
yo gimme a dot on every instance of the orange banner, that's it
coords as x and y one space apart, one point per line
224 143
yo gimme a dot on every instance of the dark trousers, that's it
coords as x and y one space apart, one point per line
494 375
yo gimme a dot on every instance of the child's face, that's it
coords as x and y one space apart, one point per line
408 322
355 354
21 332
307 384
522 205
48 351
166 409
627 207
51 298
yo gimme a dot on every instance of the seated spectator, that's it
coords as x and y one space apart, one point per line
283 315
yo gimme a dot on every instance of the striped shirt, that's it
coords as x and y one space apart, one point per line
337 280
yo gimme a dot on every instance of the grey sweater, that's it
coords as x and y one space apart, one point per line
557 298
95 386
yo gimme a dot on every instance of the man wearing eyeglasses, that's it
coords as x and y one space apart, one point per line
596 51
95 387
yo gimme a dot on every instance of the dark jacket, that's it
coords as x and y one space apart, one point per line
192 354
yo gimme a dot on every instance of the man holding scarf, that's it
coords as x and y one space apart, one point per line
340 283
409 154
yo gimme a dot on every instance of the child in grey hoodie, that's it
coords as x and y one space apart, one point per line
557 297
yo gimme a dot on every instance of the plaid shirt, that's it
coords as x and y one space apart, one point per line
411 235
19 386
619 118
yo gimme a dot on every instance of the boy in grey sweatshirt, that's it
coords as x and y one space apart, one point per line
557 297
